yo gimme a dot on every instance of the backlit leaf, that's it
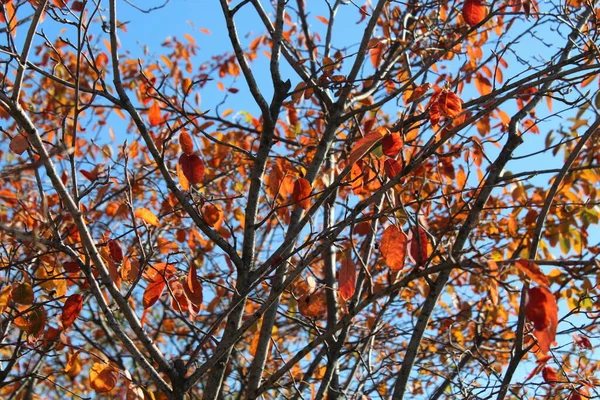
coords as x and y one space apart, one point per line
418 246
347 278
192 168
19 143
186 143
392 168
154 290
147 216
391 144
450 104
393 247
474 11
532 270
154 114
541 309
549 375
103 378
419 92
212 214
71 309
313 305
193 287
5 297
363 145
116 253
301 193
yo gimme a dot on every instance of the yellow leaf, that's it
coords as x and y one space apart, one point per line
147 216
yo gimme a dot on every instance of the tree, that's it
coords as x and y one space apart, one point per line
410 215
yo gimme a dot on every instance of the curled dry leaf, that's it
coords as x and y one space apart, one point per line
393 247
71 309
301 193
541 309
186 143
473 12
147 216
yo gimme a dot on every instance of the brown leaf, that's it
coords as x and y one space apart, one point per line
103 378
347 278
393 247
22 293
116 253
147 216
301 193
532 270
19 143
71 310
541 309
186 143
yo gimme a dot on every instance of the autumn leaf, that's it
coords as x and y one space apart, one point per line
301 193
212 215
22 293
347 278
474 11
192 287
582 341
154 114
391 144
313 305
154 290
147 216
5 297
450 104
363 146
192 169
549 375
71 310
392 168
186 143
73 366
419 92
418 246
19 143
532 270
393 247
115 251
541 309
103 378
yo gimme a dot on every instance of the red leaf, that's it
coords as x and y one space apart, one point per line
71 310
18 144
154 114
474 11
186 143
116 253
71 267
363 146
77 6
392 144
541 309
192 287
154 290
533 271
418 246
301 193
347 278
192 168
393 247
550 376
582 341
450 104
392 167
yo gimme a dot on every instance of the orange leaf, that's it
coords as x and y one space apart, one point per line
392 167
322 19
116 253
392 144
147 216
192 287
419 92
301 193
154 114
212 215
73 367
313 305
541 309
186 143
550 376
103 378
450 104
18 144
393 247
418 246
71 310
347 278
154 290
532 270
192 168
363 146
474 11
5 297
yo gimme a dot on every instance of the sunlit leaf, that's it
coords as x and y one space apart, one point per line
549 375
212 214
154 114
541 309
19 144
474 11
71 309
192 168
313 305
5 297
301 193
393 247
154 290
147 216
347 277
418 249
103 378
193 287
363 145
532 270
391 144
186 143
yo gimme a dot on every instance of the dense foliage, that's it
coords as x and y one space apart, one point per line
388 199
